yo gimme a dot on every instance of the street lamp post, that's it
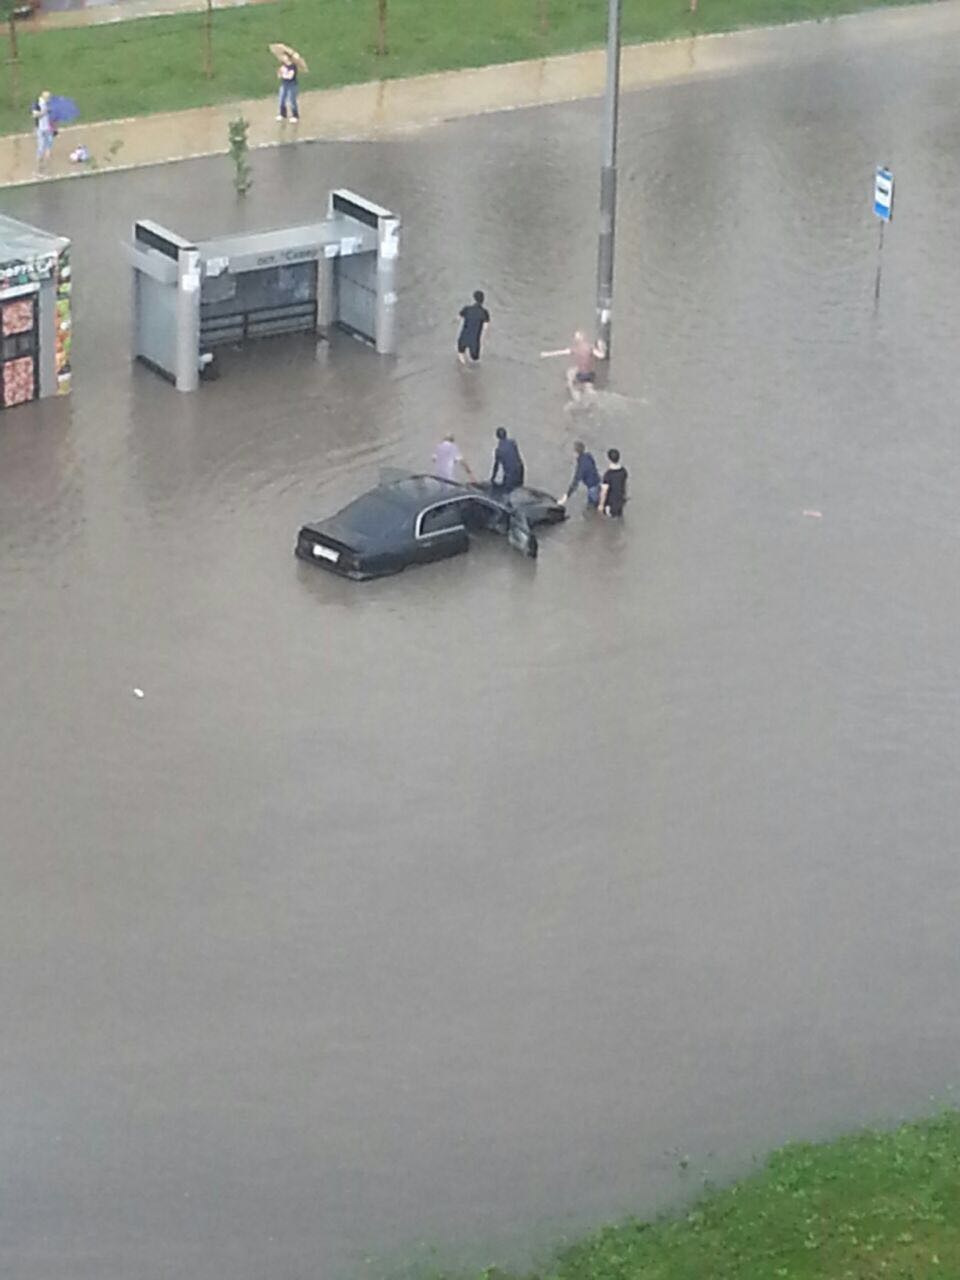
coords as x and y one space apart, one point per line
608 183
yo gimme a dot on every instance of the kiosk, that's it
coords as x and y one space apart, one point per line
35 289
189 298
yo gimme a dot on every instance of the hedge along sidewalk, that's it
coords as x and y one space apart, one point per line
383 108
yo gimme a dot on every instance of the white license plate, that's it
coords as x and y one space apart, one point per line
326 553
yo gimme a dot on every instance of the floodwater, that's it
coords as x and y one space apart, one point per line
439 917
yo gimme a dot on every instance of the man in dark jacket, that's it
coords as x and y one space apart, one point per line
473 317
506 461
586 474
613 489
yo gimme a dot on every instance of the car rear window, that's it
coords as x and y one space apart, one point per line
373 513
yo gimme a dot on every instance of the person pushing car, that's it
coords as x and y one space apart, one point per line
586 474
508 462
447 457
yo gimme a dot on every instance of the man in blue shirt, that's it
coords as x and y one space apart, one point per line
586 474
506 460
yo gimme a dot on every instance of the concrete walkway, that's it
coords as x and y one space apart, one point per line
92 13
380 109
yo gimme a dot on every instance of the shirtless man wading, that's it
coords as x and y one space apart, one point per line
582 374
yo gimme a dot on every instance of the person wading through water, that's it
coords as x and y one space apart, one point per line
473 317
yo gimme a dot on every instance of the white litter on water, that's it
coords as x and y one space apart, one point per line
138 693
814 515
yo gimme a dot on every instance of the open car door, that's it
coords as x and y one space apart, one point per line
521 536
495 515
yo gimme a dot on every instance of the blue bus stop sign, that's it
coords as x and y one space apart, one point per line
883 194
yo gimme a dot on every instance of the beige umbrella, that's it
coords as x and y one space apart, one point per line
281 51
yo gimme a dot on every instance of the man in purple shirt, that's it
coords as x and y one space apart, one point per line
447 458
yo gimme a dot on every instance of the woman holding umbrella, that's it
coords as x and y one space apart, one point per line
49 113
290 64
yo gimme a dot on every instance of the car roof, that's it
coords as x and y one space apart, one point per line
420 491
382 513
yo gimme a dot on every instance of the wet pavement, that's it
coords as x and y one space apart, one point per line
442 916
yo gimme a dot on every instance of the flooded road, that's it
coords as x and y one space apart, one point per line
437 917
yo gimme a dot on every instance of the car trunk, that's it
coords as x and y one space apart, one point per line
321 548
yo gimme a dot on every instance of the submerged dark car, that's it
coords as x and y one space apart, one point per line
415 519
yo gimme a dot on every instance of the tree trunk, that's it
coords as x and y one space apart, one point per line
14 60
381 27
208 41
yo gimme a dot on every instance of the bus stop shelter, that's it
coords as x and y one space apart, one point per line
191 297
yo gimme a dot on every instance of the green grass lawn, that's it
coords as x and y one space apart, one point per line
155 64
873 1206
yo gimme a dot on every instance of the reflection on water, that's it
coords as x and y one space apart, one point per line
447 907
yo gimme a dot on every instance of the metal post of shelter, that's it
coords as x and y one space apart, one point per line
188 320
388 248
